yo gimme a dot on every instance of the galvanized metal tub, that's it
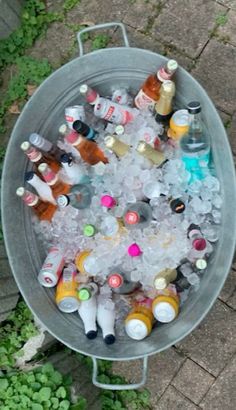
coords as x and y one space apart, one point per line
43 113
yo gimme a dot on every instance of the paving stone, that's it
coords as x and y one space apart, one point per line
174 400
222 395
228 3
192 381
141 13
229 286
227 31
213 342
232 135
162 368
189 31
215 71
5 269
232 300
8 287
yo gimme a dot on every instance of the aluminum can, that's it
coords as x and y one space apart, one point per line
74 113
52 268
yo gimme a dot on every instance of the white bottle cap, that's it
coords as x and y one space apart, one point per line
160 283
62 129
201 264
109 141
136 329
83 89
20 191
119 130
164 312
172 65
25 145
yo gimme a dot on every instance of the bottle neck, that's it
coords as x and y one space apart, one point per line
195 127
30 199
33 154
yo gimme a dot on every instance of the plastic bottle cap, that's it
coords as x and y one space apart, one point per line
83 89
29 175
25 145
134 250
43 167
92 334
132 217
201 264
20 191
141 146
89 230
194 107
109 339
62 201
177 206
172 65
119 130
62 129
72 137
66 158
84 294
108 201
199 244
160 283
136 329
115 280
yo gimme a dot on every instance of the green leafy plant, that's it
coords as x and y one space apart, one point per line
14 332
100 41
69 4
40 389
221 19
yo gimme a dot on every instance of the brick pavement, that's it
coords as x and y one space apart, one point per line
200 372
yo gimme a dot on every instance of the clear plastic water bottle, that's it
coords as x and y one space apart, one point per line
195 145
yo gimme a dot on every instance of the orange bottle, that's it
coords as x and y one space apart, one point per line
43 210
150 90
37 158
89 150
57 186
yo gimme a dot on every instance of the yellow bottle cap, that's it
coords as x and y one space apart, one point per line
165 308
138 326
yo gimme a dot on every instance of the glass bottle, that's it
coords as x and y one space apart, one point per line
195 145
150 90
89 150
57 186
163 107
117 146
147 151
43 210
83 129
46 146
37 157
137 215
79 197
164 278
90 95
120 281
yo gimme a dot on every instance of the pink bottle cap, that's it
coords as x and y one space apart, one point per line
72 137
199 244
108 201
132 217
115 280
134 250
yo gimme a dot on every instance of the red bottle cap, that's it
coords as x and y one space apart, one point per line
199 244
72 137
132 217
108 201
134 250
115 280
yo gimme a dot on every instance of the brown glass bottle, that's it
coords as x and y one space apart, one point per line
43 210
89 150
57 186
37 157
50 150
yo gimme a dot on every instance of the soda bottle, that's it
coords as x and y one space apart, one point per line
46 146
117 146
74 113
43 210
66 292
36 157
90 95
87 291
137 215
106 320
89 150
165 308
73 170
150 90
163 107
179 125
113 112
139 322
52 268
43 190
195 145
85 130
120 281
164 278
79 197
156 157
88 311
57 186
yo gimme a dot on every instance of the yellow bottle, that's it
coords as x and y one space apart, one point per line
165 308
139 322
150 153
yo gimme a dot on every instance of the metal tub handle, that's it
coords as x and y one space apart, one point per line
99 27
120 386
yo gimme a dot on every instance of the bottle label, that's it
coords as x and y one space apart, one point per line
30 198
34 155
142 101
52 265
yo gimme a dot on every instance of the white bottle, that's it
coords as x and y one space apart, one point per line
106 319
87 311
73 170
43 189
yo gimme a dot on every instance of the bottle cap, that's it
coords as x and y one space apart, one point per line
119 130
108 201
62 129
89 230
134 250
132 218
29 175
83 89
160 283
201 264
115 280
25 146
199 244
141 146
165 308
194 107
66 159
109 141
177 206
20 191
138 326
92 334
62 201
78 126
172 65
84 294
109 339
